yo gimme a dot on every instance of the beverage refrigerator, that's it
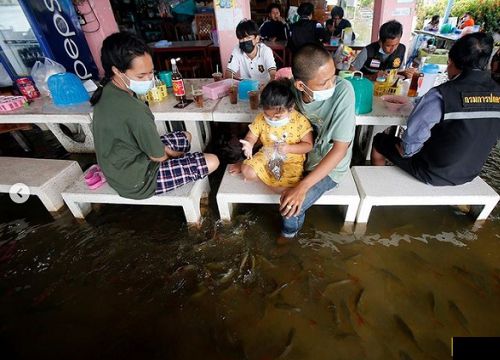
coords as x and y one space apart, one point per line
33 29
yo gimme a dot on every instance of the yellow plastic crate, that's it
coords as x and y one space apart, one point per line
379 90
157 94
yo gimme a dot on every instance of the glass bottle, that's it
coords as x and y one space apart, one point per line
415 80
379 87
177 82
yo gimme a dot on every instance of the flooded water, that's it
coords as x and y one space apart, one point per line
135 283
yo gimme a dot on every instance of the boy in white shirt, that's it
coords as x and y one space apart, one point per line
251 59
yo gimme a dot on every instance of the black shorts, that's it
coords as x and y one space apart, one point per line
386 145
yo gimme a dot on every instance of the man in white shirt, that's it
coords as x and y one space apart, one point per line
251 59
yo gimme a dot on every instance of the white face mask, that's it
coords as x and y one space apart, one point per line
140 87
321 95
277 123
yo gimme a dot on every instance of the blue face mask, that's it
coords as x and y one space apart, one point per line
321 95
139 87
277 123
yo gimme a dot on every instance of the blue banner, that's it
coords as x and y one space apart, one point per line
55 24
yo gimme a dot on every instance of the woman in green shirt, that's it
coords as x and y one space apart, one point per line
136 161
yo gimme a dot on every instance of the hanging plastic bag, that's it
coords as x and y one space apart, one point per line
5 79
275 158
293 16
42 71
343 57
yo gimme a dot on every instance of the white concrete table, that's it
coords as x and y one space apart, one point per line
43 177
79 198
389 186
239 113
379 116
235 190
43 112
196 120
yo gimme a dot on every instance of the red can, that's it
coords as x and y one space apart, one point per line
27 88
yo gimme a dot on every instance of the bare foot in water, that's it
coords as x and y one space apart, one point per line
235 168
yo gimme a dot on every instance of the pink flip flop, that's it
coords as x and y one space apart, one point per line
96 181
91 172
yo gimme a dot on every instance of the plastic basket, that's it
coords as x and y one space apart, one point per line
9 103
157 94
380 90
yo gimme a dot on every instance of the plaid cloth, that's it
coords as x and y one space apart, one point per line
182 170
177 141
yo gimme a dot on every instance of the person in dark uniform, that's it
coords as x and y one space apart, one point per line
337 23
274 27
385 54
306 30
454 126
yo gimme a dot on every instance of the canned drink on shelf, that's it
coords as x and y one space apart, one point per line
27 88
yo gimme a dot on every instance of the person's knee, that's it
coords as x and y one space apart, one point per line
212 162
248 172
188 135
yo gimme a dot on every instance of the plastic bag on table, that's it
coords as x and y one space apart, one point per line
42 71
343 57
275 160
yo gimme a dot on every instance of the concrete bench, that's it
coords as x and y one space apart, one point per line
44 178
78 197
389 185
234 190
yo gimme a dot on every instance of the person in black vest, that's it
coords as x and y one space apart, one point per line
274 27
385 54
455 125
337 23
306 30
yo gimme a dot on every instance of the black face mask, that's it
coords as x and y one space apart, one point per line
247 46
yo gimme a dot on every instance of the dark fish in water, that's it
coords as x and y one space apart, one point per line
458 314
226 277
403 355
288 345
357 301
244 261
216 266
344 335
405 329
431 300
475 281
345 319
357 298
340 283
352 257
263 261
287 307
335 315
277 291
389 275
424 263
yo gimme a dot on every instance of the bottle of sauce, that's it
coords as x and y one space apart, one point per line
415 82
378 89
178 82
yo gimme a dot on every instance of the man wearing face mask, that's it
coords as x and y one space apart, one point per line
451 131
385 54
328 103
251 59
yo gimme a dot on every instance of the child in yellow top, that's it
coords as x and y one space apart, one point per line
278 127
